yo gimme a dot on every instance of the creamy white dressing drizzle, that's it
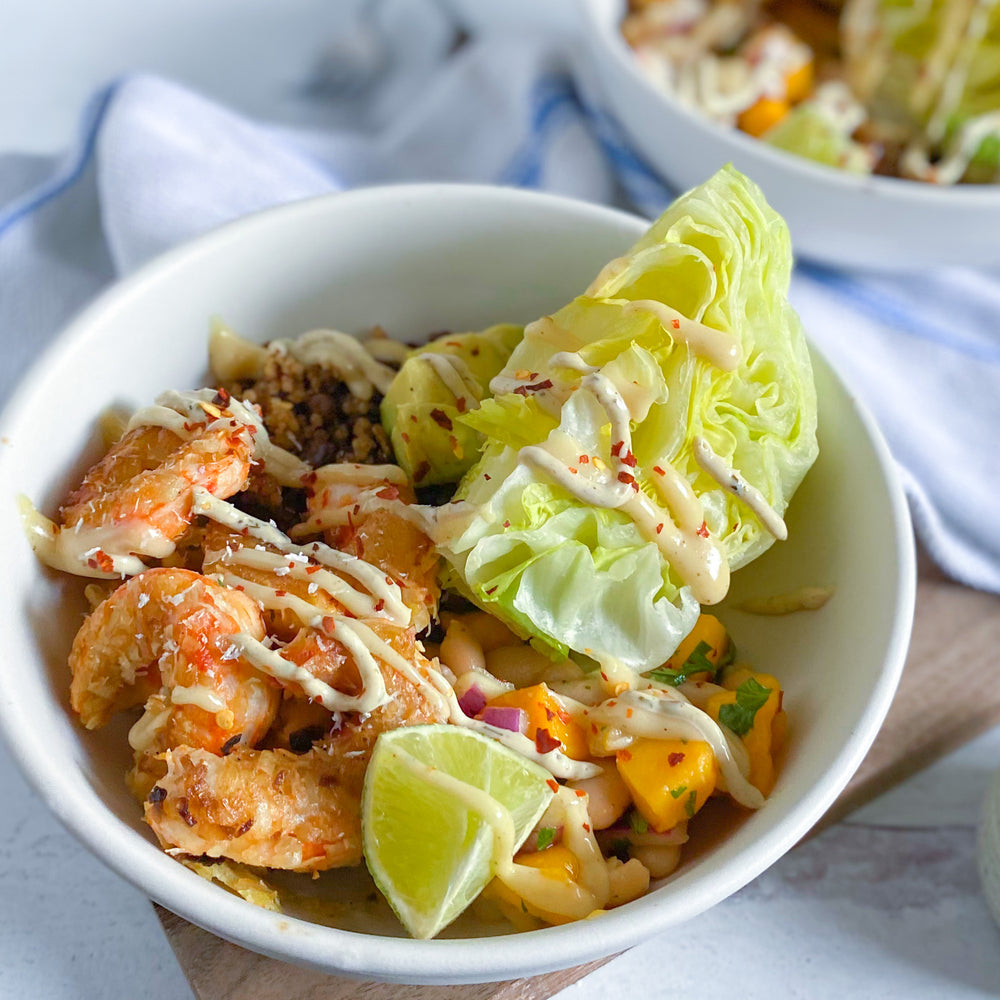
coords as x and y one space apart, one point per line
697 558
454 373
380 588
361 372
270 661
77 549
666 714
722 349
950 169
572 899
199 695
731 481
143 733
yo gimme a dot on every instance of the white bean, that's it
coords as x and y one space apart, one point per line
488 631
460 650
520 664
626 881
660 860
608 795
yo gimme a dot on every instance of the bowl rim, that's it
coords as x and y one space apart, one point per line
391 959
910 193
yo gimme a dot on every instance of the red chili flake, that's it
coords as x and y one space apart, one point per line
506 524
101 561
420 472
585 460
487 476
523 390
573 470
329 624
674 759
230 744
281 593
579 792
554 785
389 580
460 404
380 604
593 727
453 343
703 530
676 324
625 477
441 419
625 755
405 437
586 827
474 352
221 397
658 470
616 448
545 741
158 794
629 460
659 528
413 418
549 714
492 590
313 569
604 676
390 492
245 827
628 713
611 704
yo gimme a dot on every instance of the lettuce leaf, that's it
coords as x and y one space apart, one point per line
922 67
574 576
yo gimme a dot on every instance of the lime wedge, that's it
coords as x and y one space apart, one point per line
435 803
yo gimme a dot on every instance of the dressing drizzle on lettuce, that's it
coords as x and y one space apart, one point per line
596 518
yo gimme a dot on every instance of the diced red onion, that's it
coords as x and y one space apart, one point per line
505 717
473 701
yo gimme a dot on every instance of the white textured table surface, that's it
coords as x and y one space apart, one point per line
886 905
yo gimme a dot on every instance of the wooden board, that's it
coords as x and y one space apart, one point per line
941 703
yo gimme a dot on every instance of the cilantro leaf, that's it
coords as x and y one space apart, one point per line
546 835
739 716
689 804
679 791
638 824
697 663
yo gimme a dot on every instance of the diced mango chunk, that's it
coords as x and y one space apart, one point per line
670 780
799 83
546 713
765 114
764 736
707 629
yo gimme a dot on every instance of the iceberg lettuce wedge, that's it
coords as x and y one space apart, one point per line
683 347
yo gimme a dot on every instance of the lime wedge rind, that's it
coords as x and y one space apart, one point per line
429 853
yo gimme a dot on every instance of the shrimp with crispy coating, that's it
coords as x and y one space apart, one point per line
266 808
295 805
138 500
164 639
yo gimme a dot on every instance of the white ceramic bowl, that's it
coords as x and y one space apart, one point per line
834 217
418 259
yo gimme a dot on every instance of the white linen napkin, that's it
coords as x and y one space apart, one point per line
157 164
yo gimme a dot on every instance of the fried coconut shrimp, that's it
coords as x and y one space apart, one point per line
164 639
295 808
267 808
137 501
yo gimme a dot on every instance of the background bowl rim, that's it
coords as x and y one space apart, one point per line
461 960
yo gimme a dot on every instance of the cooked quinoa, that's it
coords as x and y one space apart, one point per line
309 411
